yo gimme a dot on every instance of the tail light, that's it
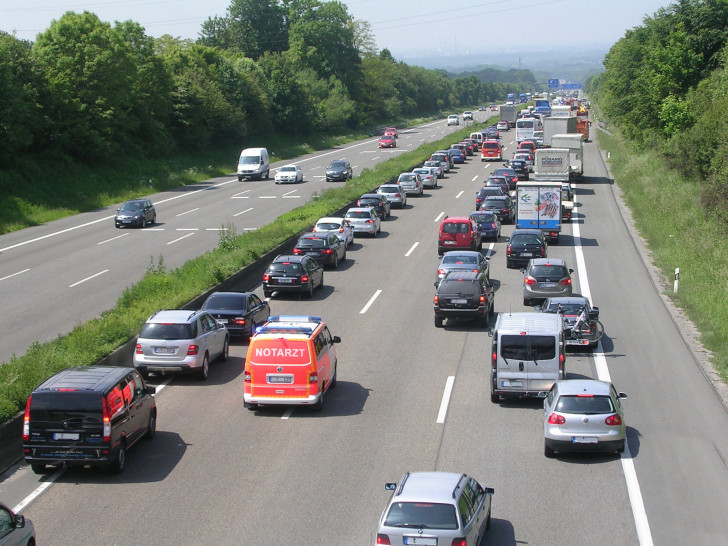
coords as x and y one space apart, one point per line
478 200
508 250
529 280
397 195
613 420
304 278
247 376
543 251
566 282
459 542
440 272
266 277
370 221
556 419
482 300
193 350
240 321
26 422
436 300
341 230
313 377
327 251
139 349
494 360
314 229
382 539
297 251
505 211
493 225
106 419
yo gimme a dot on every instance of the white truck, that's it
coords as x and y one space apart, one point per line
557 126
574 142
509 113
551 165
538 206
561 111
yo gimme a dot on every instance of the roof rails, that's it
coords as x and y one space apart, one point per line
460 481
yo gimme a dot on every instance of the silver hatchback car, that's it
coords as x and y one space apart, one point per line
181 341
395 193
546 278
435 508
583 415
463 260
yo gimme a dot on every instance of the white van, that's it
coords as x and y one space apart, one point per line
253 163
527 356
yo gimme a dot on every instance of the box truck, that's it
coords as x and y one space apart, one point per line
538 206
557 126
509 113
551 165
574 142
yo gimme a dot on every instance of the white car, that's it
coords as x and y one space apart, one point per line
502 126
340 226
428 176
364 220
453 120
290 174
467 115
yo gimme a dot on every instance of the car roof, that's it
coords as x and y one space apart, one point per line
360 209
461 253
172 315
456 219
92 378
290 325
289 258
583 386
430 486
330 219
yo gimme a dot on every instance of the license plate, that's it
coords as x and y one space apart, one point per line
164 350
65 436
280 379
428 541
526 253
547 285
312 253
510 383
126 221
285 281
449 242
458 301
222 321
584 439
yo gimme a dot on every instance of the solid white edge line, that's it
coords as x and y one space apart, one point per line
445 399
407 254
637 503
88 278
13 274
369 303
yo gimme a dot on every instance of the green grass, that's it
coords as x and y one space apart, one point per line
667 212
162 289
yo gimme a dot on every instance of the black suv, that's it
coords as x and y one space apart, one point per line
504 207
525 244
339 171
88 416
325 248
463 294
521 168
291 273
487 191
378 202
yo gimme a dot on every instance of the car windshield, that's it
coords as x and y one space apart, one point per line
287 169
249 160
226 301
155 330
134 206
585 404
337 165
425 515
459 259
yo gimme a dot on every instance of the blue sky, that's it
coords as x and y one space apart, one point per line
405 27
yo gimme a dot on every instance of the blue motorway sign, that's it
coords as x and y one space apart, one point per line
571 86
553 84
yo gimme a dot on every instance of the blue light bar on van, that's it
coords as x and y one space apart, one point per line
293 318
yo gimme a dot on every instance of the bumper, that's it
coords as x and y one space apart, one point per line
286 180
461 313
70 455
271 401
536 293
489 233
285 288
601 446
370 230
336 178
128 223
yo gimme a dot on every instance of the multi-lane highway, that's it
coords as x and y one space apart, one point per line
216 472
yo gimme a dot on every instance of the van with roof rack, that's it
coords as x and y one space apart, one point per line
291 361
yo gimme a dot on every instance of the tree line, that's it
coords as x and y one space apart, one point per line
91 91
665 85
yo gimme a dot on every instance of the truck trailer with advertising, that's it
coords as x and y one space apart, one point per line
557 126
574 142
538 206
551 165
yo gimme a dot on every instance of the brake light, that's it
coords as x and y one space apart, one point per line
458 542
382 539
327 251
482 299
26 421
297 251
436 300
370 221
613 420
240 321
440 272
556 419
314 229
397 195
247 377
508 250
266 277
475 270
193 350
494 360
313 377
505 211
493 225
341 230
529 280
139 349
566 282
106 419
304 278
543 251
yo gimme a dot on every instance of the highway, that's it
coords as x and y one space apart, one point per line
216 472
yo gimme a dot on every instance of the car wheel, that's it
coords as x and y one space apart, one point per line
144 222
249 406
509 264
439 252
204 370
151 426
480 245
487 522
119 464
343 259
438 322
38 468
225 349
321 285
267 293
620 449
309 292
154 219
318 406
333 378
267 174
548 452
526 301
494 397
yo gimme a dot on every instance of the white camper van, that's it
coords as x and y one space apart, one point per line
253 164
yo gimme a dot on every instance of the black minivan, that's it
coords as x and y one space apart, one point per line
88 416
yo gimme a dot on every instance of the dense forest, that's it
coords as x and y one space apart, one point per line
88 91
665 85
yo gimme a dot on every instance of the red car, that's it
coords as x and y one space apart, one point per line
527 145
458 233
391 131
387 141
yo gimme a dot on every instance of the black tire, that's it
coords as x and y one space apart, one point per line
204 371
144 222
154 219
509 264
309 292
318 406
38 468
336 261
225 350
249 406
321 284
151 426
526 302
267 293
487 521
438 322
548 452
620 449
344 258
119 464
495 398
333 378
439 252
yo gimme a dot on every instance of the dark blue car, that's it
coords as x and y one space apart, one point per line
458 156
488 222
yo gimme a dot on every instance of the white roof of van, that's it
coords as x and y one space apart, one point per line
529 322
253 151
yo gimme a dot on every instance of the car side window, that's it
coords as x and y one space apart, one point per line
6 522
327 336
253 301
466 508
320 345
115 399
204 325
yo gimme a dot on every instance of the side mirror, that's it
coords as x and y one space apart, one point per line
150 389
543 394
437 283
489 490
571 270
622 395
490 332
595 309
19 521
337 339
390 486
523 271
537 307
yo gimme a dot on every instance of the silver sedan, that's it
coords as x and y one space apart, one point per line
583 415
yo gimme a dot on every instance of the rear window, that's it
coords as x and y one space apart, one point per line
427 515
327 226
157 330
285 268
548 271
500 203
406 177
535 347
525 240
450 287
358 214
483 218
491 145
52 406
388 189
459 260
225 301
593 405
455 227
311 242
369 201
